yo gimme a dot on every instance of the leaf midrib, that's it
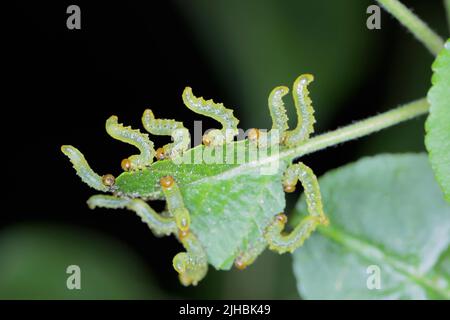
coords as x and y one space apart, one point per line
372 252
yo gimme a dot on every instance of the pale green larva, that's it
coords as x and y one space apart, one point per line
277 109
305 111
167 127
83 169
218 112
135 138
288 243
279 119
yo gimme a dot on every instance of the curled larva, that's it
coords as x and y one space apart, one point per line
167 127
218 112
83 169
135 138
280 242
191 265
308 180
304 109
289 242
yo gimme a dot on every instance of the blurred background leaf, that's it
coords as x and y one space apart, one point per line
385 211
34 259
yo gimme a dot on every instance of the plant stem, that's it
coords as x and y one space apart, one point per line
447 10
421 31
353 131
359 129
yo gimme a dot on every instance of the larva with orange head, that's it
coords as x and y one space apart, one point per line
135 138
83 169
191 265
284 243
167 127
218 112
175 202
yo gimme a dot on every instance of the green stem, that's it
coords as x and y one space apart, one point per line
347 133
421 31
359 129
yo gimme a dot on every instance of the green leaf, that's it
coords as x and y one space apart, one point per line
230 204
437 139
385 211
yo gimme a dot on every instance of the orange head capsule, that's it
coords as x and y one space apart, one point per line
206 140
253 134
160 154
239 264
126 164
108 180
282 218
183 234
289 188
324 221
166 182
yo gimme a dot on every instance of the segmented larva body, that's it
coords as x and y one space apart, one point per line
279 118
284 243
308 179
191 265
167 127
83 169
304 109
175 202
218 112
277 109
158 224
135 138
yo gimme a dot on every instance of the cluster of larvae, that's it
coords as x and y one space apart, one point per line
192 264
